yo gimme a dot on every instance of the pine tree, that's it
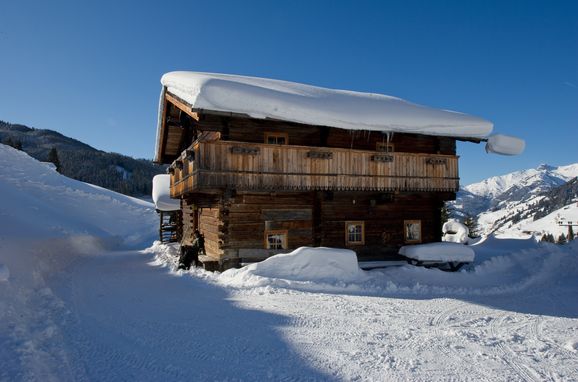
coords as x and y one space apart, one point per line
570 233
446 213
472 225
53 158
8 142
561 239
548 238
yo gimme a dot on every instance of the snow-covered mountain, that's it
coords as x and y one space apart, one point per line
508 203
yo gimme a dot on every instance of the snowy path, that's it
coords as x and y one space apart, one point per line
133 320
379 338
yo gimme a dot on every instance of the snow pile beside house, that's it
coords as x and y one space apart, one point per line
501 266
305 264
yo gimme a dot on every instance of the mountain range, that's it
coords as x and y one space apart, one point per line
528 201
82 162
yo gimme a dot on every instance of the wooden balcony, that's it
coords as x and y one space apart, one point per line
210 166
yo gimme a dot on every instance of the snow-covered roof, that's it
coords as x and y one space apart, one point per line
294 102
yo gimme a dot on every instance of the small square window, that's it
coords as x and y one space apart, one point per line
412 231
276 239
384 147
276 138
354 232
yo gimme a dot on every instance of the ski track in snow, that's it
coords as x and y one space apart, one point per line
130 316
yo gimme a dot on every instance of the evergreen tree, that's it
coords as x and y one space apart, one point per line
53 158
8 142
561 239
570 233
472 225
446 213
548 238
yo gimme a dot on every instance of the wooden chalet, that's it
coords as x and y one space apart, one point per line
257 183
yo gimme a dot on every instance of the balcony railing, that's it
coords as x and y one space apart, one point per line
217 165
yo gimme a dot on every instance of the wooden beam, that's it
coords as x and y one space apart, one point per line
162 134
182 105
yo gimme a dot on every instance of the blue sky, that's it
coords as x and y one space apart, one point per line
91 70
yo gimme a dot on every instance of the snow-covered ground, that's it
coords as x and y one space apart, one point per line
79 303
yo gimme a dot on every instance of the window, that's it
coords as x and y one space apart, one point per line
412 231
276 138
384 147
276 239
354 233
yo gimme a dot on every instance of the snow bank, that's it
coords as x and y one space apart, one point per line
162 194
288 101
438 252
48 220
323 265
500 267
39 202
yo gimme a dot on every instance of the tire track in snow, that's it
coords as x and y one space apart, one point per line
441 320
508 355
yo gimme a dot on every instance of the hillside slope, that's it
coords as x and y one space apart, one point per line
85 163
39 203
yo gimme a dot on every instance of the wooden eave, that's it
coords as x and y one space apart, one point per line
197 115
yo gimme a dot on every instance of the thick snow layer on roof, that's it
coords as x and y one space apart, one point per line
289 101
505 145
162 194
438 252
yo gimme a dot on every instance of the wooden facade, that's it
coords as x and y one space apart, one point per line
257 187
250 166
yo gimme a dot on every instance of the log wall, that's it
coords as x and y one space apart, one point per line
235 223
204 212
253 130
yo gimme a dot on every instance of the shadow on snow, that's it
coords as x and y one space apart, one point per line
133 321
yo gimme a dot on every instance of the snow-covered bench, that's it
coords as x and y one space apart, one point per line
453 255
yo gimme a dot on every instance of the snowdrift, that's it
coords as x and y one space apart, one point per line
501 266
305 264
40 203
46 219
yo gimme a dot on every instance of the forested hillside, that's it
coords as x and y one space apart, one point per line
82 162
